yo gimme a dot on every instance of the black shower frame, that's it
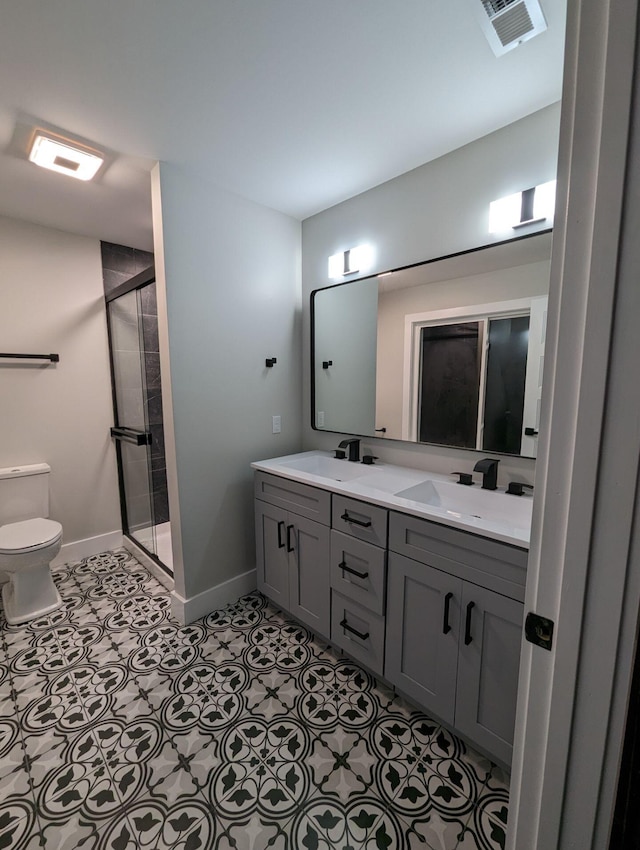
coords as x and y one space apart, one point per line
138 281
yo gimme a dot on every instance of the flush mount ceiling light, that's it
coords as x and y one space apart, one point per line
358 259
64 156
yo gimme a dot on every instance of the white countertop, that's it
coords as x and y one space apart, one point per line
439 498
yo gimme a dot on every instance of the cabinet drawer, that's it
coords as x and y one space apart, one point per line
486 562
301 499
359 519
358 631
358 571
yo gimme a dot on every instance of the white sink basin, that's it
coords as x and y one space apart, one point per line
328 467
460 500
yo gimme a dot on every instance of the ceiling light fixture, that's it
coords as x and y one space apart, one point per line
65 156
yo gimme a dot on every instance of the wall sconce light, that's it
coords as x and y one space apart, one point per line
527 207
65 157
358 259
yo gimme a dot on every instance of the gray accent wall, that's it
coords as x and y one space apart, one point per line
229 271
437 209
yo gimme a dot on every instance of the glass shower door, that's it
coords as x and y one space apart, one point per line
131 431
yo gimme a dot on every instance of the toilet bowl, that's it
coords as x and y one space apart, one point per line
26 551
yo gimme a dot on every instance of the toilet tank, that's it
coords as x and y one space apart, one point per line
24 492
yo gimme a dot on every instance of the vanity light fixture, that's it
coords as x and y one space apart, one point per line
64 156
358 259
522 208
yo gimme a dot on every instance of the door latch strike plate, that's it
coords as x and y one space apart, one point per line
538 630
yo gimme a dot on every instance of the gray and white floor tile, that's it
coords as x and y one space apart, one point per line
120 729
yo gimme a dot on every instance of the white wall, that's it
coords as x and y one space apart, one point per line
52 300
229 291
437 209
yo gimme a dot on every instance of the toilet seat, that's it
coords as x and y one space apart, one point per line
28 535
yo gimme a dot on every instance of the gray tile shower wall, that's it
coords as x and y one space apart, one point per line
120 264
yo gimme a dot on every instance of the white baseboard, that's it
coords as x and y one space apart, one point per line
79 549
188 610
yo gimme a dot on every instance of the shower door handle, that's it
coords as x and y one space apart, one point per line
130 435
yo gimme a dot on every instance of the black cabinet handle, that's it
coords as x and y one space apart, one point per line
467 625
289 546
280 530
345 516
446 628
353 631
347 569
530 432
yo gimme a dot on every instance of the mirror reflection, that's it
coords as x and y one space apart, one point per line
446 352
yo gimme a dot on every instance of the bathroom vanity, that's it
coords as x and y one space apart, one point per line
418 578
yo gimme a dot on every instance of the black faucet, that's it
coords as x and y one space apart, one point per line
488 466
354 448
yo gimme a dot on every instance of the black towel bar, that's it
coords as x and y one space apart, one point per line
54 358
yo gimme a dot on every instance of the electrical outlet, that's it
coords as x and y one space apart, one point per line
320 419
277 424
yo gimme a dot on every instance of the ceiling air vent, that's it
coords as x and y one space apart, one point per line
508 23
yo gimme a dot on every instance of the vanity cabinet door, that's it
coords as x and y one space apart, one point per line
292 564
308 543
272 564
423 620
490 638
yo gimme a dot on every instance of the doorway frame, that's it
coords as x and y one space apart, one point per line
584 566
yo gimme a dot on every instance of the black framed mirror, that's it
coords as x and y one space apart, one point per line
445 352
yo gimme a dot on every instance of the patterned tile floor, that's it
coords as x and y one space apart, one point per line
121 730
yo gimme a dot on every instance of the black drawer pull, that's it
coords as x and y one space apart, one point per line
280 530
467 625
446 628
347 569
289 546
345 516
353 631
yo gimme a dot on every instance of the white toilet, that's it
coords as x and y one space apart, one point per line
28 543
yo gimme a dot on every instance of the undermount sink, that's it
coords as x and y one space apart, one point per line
457 499
328 467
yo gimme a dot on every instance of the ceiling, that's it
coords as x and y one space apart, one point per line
295 104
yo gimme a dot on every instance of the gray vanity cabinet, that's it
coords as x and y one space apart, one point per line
435 610
293 550
453 642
